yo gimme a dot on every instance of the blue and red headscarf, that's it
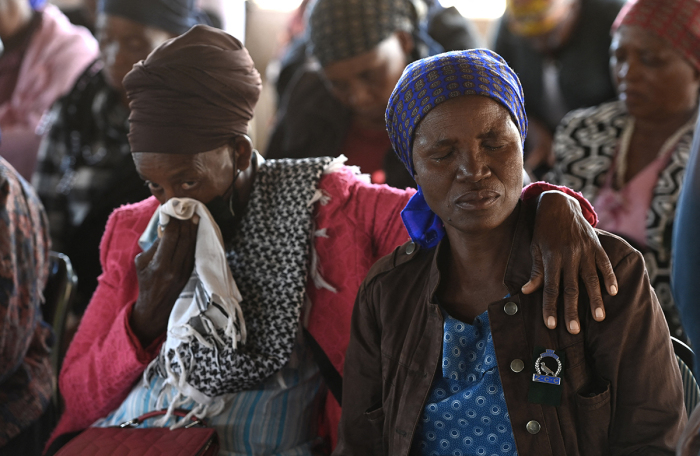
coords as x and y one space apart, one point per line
425 84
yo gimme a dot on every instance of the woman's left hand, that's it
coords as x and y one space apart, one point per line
564 248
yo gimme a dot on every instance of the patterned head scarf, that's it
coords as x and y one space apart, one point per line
340 29
192 94
676 21
425 84
536 17
174 16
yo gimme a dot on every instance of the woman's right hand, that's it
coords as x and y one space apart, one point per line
163 271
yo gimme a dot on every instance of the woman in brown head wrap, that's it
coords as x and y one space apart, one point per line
171 329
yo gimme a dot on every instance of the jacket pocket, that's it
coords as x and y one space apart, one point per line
593 423
375 418
375 415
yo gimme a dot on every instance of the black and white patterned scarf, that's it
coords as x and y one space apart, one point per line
269 259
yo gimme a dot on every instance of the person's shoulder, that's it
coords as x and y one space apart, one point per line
340 181
74 108
601 113
135 214
346 181
306 88
14 186
55 23
617 249
299 169
605 10
407 260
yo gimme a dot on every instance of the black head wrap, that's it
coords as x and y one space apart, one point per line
174 16
192 94
340 29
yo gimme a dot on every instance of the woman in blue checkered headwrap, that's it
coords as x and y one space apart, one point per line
430 82
447 355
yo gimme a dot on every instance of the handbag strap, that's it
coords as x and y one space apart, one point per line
330 374
177 412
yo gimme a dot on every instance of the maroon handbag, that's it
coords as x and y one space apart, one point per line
192 440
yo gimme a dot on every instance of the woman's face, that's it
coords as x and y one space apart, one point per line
202 176
653 80
468 160
123 43
364 83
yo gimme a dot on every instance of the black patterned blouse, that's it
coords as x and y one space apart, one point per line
585 144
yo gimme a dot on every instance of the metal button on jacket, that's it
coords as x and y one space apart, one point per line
410 248
517 365
533 427
510 308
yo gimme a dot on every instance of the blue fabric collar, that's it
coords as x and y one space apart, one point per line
423 225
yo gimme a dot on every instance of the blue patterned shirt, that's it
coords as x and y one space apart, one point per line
466 411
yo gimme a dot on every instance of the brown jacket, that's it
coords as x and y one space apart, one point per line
622 391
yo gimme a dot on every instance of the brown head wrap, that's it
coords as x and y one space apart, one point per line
192 94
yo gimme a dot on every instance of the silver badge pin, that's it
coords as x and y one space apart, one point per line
545 374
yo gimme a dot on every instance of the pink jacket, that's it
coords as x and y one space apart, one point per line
105 359
57 54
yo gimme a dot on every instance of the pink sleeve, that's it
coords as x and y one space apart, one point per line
379 214
105 358
537 188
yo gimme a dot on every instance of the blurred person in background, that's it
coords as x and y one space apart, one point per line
27 416
629 156
559 49
445 25
85 169
335 105
42 57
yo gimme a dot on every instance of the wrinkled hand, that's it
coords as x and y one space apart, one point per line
163 271
564 248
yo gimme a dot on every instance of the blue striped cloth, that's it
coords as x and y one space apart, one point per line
279 417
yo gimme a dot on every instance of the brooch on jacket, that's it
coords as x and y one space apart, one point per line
546 386
551 377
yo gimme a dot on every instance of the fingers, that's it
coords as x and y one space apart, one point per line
550 293
603 263
178 241
183 254
590 279
537 274
570 275
143 258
